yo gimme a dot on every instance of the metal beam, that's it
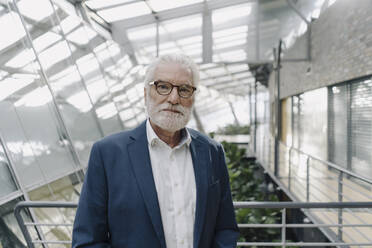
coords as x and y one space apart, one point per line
121 37
291 4
164 15
207 31
270 29
116 5
258 30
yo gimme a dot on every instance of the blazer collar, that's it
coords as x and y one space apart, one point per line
140 160
201 161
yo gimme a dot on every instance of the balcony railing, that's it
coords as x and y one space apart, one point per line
327 225
307 178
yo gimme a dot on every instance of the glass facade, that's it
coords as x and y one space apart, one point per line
61 88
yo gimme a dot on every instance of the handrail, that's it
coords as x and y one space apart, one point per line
291 205
330 164
39 204
278 205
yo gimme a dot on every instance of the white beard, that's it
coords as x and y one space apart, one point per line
167 120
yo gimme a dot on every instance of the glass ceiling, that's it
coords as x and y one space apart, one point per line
242 32
239 33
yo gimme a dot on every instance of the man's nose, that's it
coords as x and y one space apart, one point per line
173 97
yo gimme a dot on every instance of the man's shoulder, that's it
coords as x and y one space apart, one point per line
198 136
120 138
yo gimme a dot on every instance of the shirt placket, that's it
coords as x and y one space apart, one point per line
179 200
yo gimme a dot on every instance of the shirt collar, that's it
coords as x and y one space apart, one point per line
153 139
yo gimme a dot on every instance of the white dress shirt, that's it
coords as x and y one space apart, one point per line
175 186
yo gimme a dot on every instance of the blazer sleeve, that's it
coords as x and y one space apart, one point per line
226 232
91 225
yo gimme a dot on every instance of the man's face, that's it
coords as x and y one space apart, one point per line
169 112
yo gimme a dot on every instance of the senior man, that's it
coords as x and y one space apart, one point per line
160 184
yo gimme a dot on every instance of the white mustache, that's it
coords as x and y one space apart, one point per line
167 106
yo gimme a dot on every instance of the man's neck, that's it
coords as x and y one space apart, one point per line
172 139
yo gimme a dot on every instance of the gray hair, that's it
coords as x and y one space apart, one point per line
176 58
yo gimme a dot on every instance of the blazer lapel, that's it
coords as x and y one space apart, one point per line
200 158
140 158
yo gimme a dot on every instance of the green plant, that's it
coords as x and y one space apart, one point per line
234 129
247 185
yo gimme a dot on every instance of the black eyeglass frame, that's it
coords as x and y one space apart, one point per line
177 86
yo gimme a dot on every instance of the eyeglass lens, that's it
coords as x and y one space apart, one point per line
165 88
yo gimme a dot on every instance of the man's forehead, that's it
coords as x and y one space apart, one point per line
173 71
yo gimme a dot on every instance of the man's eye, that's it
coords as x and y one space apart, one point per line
163 86
185 89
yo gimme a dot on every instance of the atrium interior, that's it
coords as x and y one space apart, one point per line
298 73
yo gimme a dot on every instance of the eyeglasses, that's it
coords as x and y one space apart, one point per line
165 88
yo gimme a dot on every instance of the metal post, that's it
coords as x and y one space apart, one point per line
157 36
308 178
258 30
233 113
284 221
250 115
289 168
255 116
340 199
278 108
349 147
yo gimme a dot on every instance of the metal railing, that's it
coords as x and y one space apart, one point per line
310 178
307 178
284 226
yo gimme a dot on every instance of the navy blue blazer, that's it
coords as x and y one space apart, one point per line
118 206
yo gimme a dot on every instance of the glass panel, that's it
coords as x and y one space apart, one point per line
124 12
159 5
313 118
95 4
58 59
32 133
7 184
338 107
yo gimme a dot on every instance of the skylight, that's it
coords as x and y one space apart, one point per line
10 85
36 98
38 11
124 12
54 54
144 32
20 60
189 22
12 27
159 5
82 35
230 13
81 101
42 42
96 4
69 24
